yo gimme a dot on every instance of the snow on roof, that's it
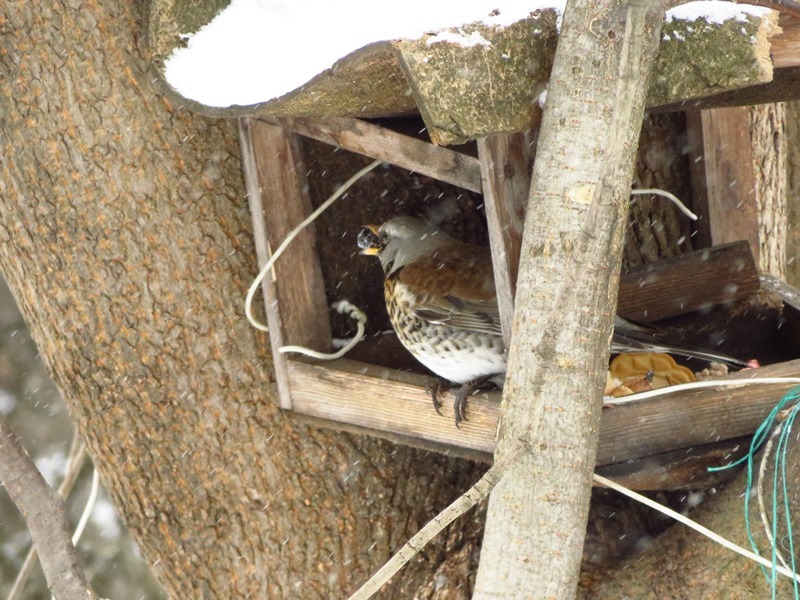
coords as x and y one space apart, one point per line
257 50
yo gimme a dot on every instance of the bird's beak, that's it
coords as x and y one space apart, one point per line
368 240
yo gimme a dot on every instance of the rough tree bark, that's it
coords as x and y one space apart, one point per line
793 195
565 303
684 564
125 237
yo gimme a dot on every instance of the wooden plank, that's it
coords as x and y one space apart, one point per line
387 400
505 161
299 291
785 86
740 153
268 290
392 401
701 234
683 469
687 419
785 45
688 282
727 201
384 144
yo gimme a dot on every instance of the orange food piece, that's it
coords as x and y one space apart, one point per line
665 372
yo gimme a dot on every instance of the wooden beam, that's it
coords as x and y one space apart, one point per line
395 148
297 309
738 167
785 45
688 282
505 161
645 427
382 399
721 153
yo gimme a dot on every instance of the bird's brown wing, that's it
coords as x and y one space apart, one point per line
454 286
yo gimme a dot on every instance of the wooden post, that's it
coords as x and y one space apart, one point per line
506 175
737 162
277 189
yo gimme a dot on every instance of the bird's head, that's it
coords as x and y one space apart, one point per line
400 241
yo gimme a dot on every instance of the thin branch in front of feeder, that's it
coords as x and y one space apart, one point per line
343 306
458 507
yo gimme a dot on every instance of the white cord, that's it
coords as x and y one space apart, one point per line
694 525
342 307
350 309
610 401
674 199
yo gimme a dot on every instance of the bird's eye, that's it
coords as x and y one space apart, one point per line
384 235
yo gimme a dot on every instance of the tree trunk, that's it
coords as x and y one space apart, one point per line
565 302
793 192
127 243
681 563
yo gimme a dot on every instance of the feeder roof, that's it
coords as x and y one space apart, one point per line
470 68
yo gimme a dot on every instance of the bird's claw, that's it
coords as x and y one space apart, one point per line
460 402
433 387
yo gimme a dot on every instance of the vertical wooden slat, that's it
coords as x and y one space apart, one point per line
278 194
721 156
506 178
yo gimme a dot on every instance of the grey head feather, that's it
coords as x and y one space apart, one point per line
408 239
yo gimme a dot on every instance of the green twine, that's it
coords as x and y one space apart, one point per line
778 480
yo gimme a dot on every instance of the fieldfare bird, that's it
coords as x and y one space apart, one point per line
442 304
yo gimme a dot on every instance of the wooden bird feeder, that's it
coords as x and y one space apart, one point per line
366 393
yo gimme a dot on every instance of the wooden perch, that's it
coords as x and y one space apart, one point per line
688 282
395 148
382 399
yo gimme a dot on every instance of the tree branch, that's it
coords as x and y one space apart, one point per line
482 488
569 269
44 515
77 456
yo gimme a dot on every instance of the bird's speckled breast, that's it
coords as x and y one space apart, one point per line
455 354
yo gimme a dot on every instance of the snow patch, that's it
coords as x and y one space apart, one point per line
715 11
460 38
256 50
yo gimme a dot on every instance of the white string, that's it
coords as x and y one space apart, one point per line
674 199
351 310
610 401
694 525
342 307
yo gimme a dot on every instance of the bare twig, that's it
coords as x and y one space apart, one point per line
77 456
44 515
462 504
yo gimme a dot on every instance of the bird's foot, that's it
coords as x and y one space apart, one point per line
433 387
464 392
460 401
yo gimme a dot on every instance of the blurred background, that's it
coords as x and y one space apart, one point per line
31 403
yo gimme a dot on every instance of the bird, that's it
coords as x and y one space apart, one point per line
441 299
